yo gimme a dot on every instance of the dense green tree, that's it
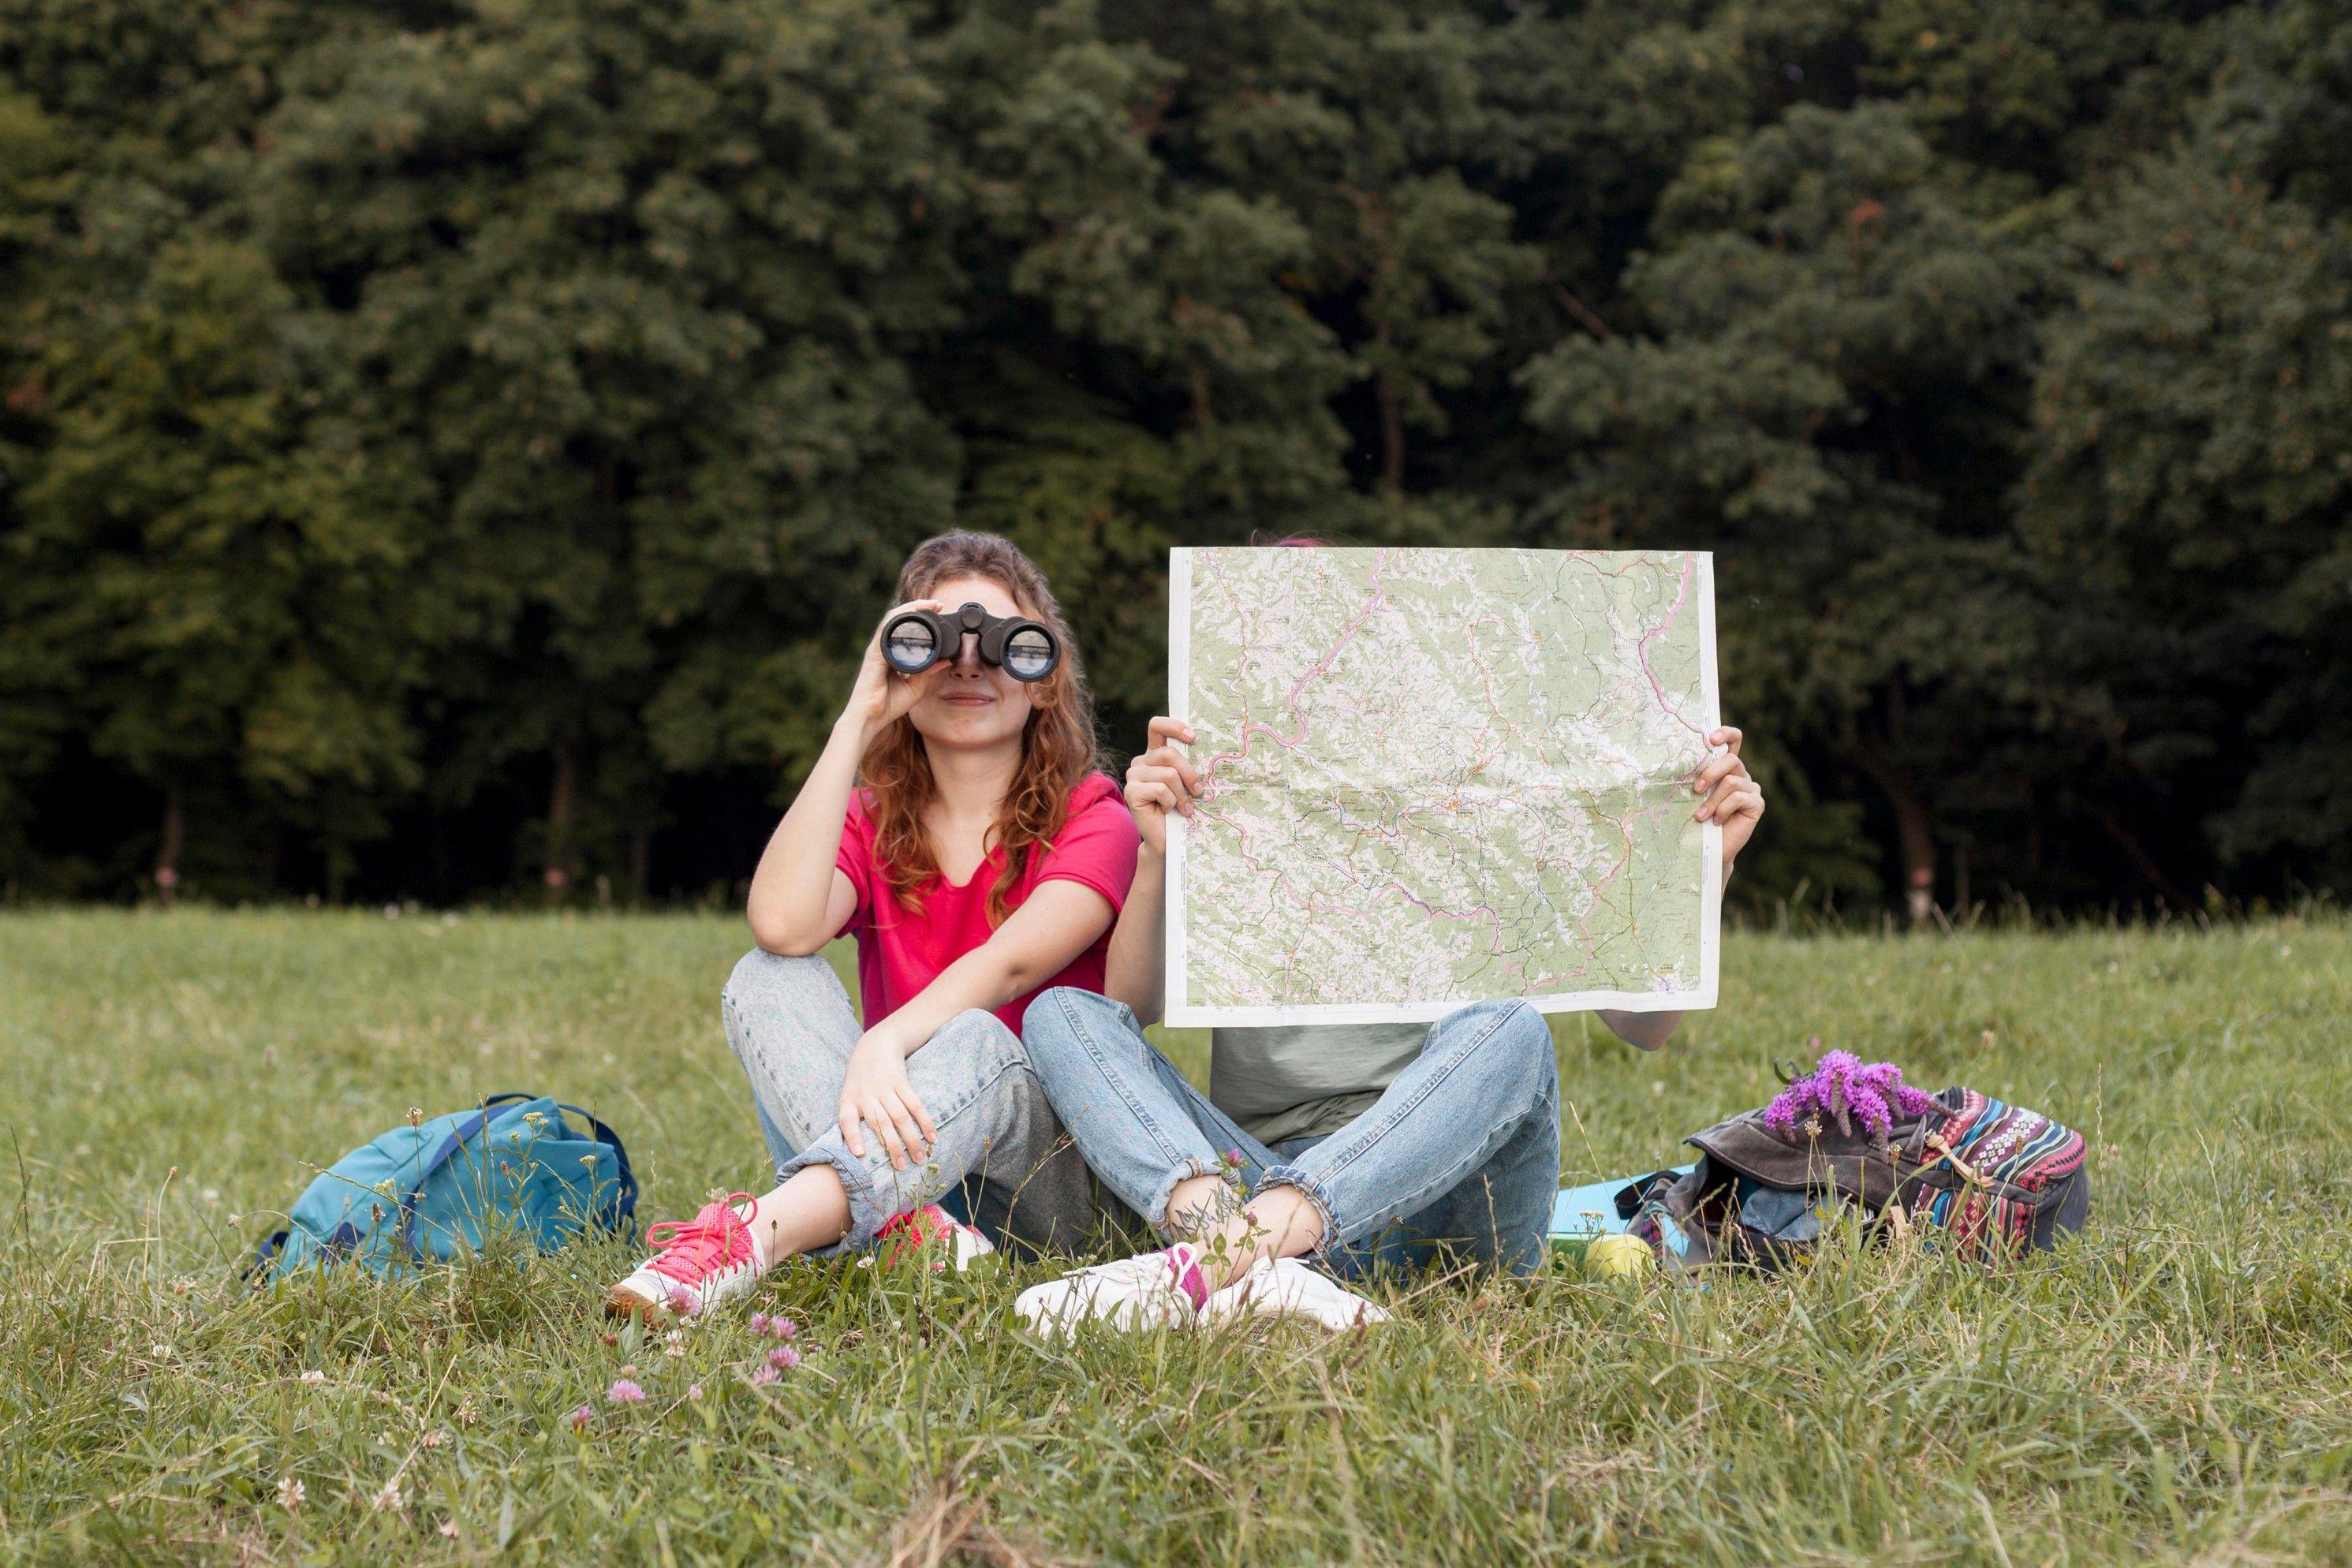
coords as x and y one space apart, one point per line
492 427
616 291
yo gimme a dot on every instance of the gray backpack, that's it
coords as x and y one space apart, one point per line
1993 1180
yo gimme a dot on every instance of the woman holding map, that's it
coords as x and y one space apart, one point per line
1354 1145
956 826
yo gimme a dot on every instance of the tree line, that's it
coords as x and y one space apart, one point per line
458 448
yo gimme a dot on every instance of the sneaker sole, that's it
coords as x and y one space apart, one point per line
628 1304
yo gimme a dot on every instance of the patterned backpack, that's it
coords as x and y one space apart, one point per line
1993 1180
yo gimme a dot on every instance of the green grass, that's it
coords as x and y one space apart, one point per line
2174 1387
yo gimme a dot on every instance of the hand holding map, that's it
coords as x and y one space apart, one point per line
1434 776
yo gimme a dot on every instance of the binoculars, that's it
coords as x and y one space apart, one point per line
1023 649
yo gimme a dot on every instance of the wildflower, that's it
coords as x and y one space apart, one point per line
211 1194
433 1439
237 1219
782 1327
1842 1089
160 1352
759 1322
682 1302
694 1391
449 1527
289 1493
581 1418
763 1376
314 1375
624 1391
784 1358
389 1498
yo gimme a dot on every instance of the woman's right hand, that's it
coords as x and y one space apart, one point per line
876 1094
882 693
1160 780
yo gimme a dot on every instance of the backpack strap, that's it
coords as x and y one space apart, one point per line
470 1126
623 1207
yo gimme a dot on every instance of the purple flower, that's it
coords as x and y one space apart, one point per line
763 1376
782 1327
624 1391
784 1358
682 1301
1844 1089
759 1322
581 1418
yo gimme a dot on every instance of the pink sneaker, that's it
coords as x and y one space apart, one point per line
697 1265
930 1231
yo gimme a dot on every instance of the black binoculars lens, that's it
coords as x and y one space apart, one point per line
910 646
1029 654
1023 649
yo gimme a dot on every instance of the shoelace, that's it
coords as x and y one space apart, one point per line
690 1249
909 1225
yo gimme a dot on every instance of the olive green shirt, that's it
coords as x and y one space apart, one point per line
1305 1080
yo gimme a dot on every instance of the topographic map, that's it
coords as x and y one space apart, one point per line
1436 776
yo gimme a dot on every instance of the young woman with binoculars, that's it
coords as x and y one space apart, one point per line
983 859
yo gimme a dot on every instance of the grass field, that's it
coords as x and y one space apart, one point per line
2175 1386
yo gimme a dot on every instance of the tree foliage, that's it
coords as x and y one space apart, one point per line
458 446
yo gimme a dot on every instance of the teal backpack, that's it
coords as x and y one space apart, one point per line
428 1191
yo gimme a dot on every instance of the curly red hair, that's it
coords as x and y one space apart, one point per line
1058 748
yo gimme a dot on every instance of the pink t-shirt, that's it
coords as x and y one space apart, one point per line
900 952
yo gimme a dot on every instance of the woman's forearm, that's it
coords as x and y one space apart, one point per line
1646 1031
1135 970
1060 920
792 888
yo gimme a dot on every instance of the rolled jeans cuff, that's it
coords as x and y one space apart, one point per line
1165 1193
870 1207
1319 1198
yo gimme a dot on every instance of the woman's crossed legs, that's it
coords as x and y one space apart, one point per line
1461 1152
999 1145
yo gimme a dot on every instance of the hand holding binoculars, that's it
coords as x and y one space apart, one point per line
917 639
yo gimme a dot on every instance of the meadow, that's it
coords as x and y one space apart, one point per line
2173 1386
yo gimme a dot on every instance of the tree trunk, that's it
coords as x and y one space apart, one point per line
167 857
1918 846
641 862
562 804
1914 838
1392 432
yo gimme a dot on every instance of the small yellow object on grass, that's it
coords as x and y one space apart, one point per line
1618 1257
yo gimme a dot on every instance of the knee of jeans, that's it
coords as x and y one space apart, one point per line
1520 1032
1049 1026
760 973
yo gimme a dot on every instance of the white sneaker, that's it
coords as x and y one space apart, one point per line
1286 1288
1149 1291
702 1263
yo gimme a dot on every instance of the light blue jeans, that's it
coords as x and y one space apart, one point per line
1461 1152
1002 1161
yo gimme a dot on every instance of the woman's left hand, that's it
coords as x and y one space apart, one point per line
875 1091
1734 799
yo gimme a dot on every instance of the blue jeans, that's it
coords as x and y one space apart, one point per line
1461 1151
1002 1160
